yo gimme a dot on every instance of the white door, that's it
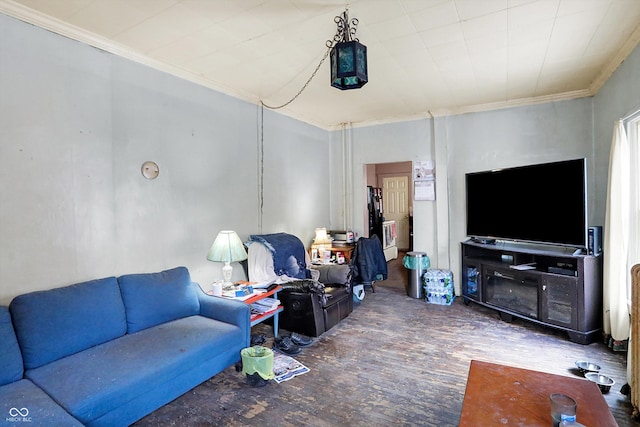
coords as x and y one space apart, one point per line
395 197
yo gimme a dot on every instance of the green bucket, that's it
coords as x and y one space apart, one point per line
257 359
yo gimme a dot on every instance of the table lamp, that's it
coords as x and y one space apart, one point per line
227 248
321 241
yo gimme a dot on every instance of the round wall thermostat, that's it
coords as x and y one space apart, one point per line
150 170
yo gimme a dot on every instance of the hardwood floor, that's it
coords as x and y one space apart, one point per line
394 361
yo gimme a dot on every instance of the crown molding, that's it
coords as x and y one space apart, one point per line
616 61
33 17
520 102
478 108
30 16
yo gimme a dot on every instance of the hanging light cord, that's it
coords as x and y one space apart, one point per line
260 168
261 137
346 29
303 87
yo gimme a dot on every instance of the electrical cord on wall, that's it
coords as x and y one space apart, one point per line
260 167
261 134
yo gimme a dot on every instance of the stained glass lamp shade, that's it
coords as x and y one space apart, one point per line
349 65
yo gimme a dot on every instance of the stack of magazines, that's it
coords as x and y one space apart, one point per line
264 305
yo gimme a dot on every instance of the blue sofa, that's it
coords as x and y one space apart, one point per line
108 352
20 399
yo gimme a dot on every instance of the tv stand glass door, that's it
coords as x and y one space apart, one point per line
515 294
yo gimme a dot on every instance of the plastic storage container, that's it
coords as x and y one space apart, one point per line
416 264
438 287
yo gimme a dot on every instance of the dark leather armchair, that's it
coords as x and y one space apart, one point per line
313 306
315 297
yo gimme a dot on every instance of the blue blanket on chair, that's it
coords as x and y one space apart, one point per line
287 251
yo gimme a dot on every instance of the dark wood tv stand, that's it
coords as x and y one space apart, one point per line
550 286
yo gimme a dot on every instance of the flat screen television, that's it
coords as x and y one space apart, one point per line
541 203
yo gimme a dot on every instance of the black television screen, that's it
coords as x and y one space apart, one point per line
542 203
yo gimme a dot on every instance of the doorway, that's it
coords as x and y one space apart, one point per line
394 180
395 193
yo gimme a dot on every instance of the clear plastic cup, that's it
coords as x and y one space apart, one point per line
563 408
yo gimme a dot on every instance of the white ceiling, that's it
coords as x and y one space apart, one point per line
425 56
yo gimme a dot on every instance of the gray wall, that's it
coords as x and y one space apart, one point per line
501 138
77 123
397 142
297 168
619 96
469 143
513 137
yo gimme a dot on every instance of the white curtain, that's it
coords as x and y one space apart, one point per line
620 234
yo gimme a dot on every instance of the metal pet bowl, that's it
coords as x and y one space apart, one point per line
586 367
603 381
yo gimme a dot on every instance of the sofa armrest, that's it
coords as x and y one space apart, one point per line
226 310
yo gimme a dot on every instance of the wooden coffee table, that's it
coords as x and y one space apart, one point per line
499 395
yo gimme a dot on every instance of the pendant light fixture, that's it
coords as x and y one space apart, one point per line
348 71
348 55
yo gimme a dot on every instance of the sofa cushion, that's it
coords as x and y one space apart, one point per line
23 403
10 357
154 298
102 379
58 322
333 273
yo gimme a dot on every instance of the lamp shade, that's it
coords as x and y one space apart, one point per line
321 237
227 248
349 65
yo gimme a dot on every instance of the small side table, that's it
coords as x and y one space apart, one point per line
261 317
346 251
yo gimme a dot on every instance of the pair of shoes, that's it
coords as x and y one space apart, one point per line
285 345
301 340
258 339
